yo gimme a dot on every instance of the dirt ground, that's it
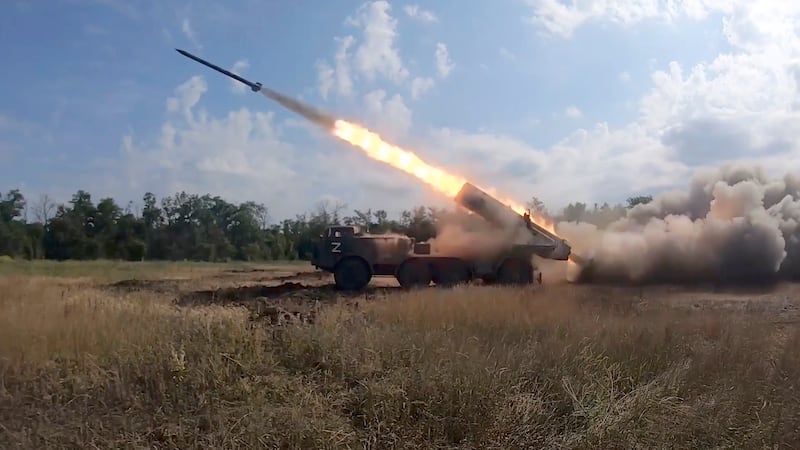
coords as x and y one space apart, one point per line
297 291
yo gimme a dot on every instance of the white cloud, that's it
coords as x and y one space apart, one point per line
188 94
443 63
469 153
599 164
420 85
374 58
415 12
507 54
377 54
235 156
390 116
325 78
246 155
186 29
238 68
741 104
340 76
625 77
563 18
573 112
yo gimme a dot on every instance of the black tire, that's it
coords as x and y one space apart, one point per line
515 272
413 274
451 273
352 274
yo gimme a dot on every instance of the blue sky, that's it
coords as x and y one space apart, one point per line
591 102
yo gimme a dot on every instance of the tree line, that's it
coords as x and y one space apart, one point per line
208 228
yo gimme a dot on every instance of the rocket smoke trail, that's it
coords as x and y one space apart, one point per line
733 225
306 111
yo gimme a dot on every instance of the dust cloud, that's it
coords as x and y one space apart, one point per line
733 225
452 239
467 235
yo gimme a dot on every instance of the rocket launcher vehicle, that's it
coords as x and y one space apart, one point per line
479 202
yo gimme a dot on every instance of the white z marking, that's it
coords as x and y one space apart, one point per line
335 247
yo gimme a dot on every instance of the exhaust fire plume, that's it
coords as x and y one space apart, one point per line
378 149
446 183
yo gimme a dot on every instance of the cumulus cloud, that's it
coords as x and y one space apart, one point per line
232 155
238 68
187 96
591 165
415 12
188 31
573 112
563 18
420 85
249 155
737 106
390 115
378 54
468 153
508 54
340 76
372 57
444 65
740 105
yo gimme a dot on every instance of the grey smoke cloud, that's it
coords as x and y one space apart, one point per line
734 224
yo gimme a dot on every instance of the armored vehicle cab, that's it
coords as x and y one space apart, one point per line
355 257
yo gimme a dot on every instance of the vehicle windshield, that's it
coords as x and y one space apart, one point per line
337 232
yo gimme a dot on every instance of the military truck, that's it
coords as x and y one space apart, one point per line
355 256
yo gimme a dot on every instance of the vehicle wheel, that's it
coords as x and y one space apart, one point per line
351 274
514 272
451 273
413 274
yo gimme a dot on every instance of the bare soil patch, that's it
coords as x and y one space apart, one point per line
157 286
287 289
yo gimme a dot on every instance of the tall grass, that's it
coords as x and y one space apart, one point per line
466 368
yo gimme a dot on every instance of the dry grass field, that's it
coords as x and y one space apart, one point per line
123 355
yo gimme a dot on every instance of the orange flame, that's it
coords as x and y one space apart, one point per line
395 156
439 179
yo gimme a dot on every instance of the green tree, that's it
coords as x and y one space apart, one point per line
639 200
